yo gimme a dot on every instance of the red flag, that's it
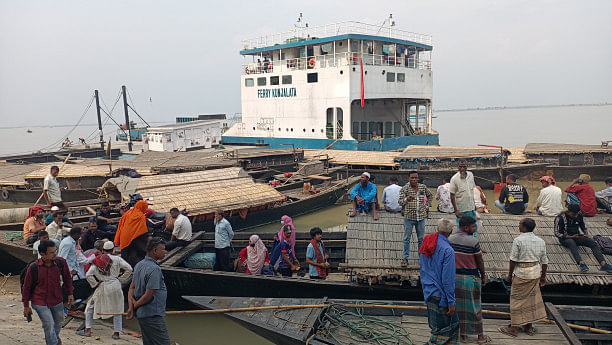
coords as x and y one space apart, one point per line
362 98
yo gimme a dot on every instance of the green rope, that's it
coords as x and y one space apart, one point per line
361 328
13 235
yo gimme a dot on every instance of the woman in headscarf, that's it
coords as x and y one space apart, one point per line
132 233
254 256
286 220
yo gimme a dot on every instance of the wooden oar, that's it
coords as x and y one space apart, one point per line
382 306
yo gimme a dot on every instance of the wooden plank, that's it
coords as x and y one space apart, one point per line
183 254
567 332
319 177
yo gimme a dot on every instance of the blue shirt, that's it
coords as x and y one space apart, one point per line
67 250
148 276
49 219
285 248
368 193
223 234
312 255
438 273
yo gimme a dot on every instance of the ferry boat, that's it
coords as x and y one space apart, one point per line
136 132
348 85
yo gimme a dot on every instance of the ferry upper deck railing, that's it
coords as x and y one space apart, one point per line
350 27
335 60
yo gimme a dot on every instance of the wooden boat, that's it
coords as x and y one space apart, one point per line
567 161
347 321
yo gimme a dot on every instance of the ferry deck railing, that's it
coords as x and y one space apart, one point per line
342 28
334 60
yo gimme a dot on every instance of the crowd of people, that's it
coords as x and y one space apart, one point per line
452 265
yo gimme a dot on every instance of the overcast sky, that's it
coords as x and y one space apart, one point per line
183 55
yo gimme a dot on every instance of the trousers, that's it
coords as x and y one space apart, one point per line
51 319
154 330
222 262
89 313
583 241
419 226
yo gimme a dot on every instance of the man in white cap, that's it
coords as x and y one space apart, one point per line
363 196
49 219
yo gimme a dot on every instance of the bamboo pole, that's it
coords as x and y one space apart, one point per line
380 306
43 193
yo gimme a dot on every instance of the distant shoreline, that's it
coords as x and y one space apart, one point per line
524 107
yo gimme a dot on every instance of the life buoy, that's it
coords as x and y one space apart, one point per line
4 194
311 62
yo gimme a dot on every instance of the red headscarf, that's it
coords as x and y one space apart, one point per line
33 210
549 179
132 224
430 242
101 261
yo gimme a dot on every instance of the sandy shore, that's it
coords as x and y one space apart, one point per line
14 329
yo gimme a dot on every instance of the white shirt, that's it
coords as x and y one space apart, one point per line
605 194
549 201
528 248
182 228
55 232
443 195
108 296
390 197
52 187
463 188
477 199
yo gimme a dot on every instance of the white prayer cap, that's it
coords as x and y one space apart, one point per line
54 208
366 173
108 245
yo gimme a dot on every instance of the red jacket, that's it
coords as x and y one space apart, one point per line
243 258
48 289
586 195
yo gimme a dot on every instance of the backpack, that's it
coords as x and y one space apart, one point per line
605 243
34 271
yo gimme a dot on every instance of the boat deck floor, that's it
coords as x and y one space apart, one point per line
418 331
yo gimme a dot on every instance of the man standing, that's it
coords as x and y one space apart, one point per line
390 196
469 280
550 198
104 218
181 233
567 229
513 198
528 263
580 192
604 197
42 285
443 196
437 259
33 224
363 196
316 257
51 189
416 198
147 295
67 250
462 192
223 237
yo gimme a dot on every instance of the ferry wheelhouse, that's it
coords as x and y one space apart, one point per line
349 85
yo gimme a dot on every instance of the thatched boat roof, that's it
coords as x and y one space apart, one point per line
79 170
200 192
14 174
544 148
447 152
374 248
349 157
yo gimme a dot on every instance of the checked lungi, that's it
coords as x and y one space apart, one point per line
526 304
468 304
444 328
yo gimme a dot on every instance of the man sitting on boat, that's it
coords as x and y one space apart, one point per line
549 200
567 229
363 196
49 219
181 231
437 262
104 217
93 234
57 229
316 257
33 224
390 196
604 197
254 257
513 198
581 193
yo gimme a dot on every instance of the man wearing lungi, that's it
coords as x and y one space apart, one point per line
437 259
528 263
469 279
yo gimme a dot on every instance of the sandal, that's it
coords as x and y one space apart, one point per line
486 340
506 330
82 333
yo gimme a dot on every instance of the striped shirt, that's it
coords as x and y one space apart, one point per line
467 248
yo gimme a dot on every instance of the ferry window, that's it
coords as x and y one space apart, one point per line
401 77
274 80
261 81
312 77
397 129
248 82
364 130
287 79
329 123
390 77
355 129
339 122
388 130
